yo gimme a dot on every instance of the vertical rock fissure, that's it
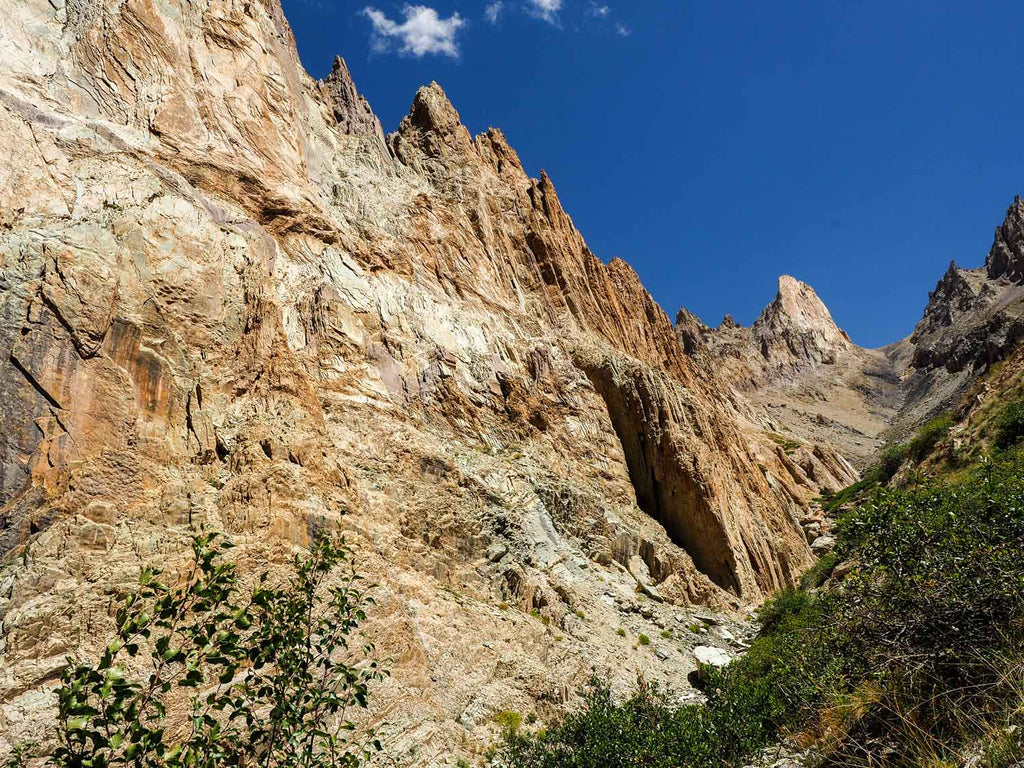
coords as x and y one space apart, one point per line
664 483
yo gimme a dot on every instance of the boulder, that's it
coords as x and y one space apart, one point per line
823 545
710 656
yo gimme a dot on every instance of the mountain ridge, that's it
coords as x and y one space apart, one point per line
794 363
228 299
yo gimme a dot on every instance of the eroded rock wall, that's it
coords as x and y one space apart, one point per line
679 483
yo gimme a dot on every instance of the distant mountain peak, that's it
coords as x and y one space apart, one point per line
728 322
799 324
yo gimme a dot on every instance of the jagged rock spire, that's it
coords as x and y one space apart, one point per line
350 109
728 322
798 321
691 331
1006 259
432 129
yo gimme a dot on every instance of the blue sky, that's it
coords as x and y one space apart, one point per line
858 146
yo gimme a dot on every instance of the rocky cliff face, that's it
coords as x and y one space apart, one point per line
1006 258
352 113
227 299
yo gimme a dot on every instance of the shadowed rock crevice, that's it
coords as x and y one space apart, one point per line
666 480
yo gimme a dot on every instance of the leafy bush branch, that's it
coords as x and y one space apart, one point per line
267 675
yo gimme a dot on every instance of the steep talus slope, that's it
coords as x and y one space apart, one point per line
227 299
976 427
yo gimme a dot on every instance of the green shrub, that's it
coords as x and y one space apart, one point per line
788 445
1010 424
889 463
788 672
643 639
940 563
846 494
620 632
510 722
873 476
820 572
264 672
936 611
928 436
21 754
785 604
646 730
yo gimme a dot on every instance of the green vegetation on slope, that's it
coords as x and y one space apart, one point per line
1010 424
916 657
928 436
787 444
892 459
265 672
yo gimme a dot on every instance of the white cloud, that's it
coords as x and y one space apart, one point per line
546 9
493 11
422 32
622 30
601 11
